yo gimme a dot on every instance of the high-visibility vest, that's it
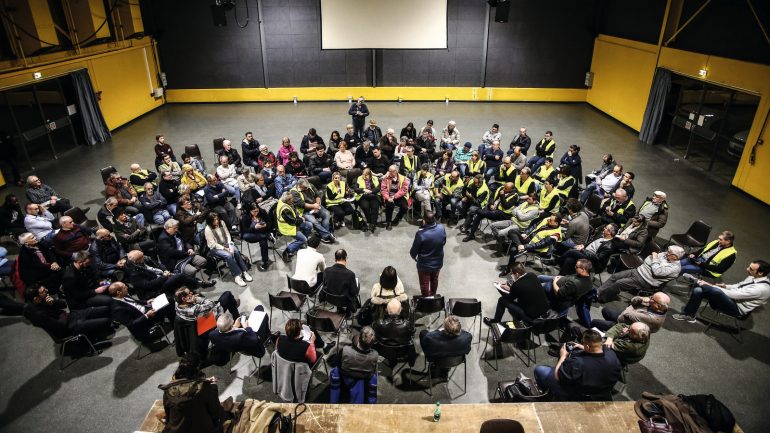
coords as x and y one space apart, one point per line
542 234
429 176
544 172
497 197
565 190
410 163
482 189
622 209
301 207
718 257
448 188
476 167
283 227
338 195
546 197
549 147
526 207
508 172
522 188
142 174
362 184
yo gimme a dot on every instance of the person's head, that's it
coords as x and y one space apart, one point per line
674 253
410 126
429 123
507 162
726 239
425 133
525 173
186 159
564 171
367 173
574 148
659 302
508 187
390 132
11 199
495 128
389 278
212 179
617 170
495 145
189 367
27 239
454 175
166 175
293 328
639 332
285 142
620 195
610 230
592 341
583 267
548 184
523 132
394 307
117 289
81 258
554 220
367 144
517 151
372 123
120 215
34 182
478 179
149 188
185 203
335 135
607 158
33 208
376 152
249 136
66 223
366 338
393 171
451 125
429 218
227 145
518 269
224 161
336 177
135 168
343 146
548 161
446 156
638 220
225 322
341 256
319 150
658 197
263 149
160 138
452 325
628 177
303 184
171 226
135 256
360 100
475 155
280 170
758 268
184 296
167 159
574 206
349 128
35 294
313 241
188 170
103 235
287 197
548 135
213 220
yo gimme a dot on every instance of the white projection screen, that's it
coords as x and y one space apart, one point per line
387 24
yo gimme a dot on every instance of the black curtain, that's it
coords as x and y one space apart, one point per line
94 126
656 103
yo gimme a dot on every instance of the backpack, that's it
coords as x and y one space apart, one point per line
357 221
524 389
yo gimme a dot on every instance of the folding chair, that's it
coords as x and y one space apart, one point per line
466 307
286 302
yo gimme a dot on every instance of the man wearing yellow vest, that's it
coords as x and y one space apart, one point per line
501 208
617 209
475 197
291 223
538 238
524 183
714 259
448 192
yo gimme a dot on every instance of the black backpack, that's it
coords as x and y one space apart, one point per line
716 414
524 389
357 220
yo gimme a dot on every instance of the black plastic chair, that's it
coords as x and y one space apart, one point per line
428 305
63 342
79 217
302 287
193 150
696 237
326 322
451 362
106 172
395 354
544 326
218 144
501 426
633 261
735 329
593 206
160 329
286 302
522 334
340 302
466 307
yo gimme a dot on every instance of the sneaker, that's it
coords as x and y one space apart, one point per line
690 278
239 281
206 284
684 318
328 347
247 277
263 266
286 256
489 321
504 272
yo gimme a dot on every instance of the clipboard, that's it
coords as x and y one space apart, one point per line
206 323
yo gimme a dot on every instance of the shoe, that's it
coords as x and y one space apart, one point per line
263 266
286 256
684 318
342 224
489 321
389 227
206 284
328 240
504 272
328 347
554 350
239 281
395 222
469 238
690 278
247 277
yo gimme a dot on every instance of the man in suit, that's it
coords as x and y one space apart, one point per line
150 279
239 335
81 286
526 300
428 251
450 340
137 316
394 330
176 254
342 281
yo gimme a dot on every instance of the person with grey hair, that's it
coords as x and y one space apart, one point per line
81 286
240 335
107 254
630 342
449 340
42 194
657 270
228 175
231 153
359 360
38 264
450 136
176 254
655 209
153 204
597 251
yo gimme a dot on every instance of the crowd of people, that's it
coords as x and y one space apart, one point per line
160 232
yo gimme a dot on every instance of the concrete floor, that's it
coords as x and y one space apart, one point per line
113 391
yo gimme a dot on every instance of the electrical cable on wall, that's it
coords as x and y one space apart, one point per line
236 14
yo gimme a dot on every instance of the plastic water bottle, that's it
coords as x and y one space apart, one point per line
437 412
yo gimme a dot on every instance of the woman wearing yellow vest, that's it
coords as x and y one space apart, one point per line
367 188
714 259
337 194
475 165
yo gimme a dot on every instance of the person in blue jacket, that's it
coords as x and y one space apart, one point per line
428 251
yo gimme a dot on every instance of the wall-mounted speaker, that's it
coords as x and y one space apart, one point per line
502 11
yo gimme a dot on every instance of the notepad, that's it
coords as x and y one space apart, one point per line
306 333
159 302
501 289
255 319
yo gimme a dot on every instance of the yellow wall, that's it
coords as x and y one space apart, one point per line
376 94
623 72
120 76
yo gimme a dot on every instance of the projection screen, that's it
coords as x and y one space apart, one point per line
388 24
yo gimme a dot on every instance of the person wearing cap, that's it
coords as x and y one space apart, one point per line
450 136
655 209
656 270
488 137
462 155
359 111
373 133
250 149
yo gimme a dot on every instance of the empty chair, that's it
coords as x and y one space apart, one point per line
466 307
106 172
286 302
341 302
593 206
633 261
428 305
501 426
218 144
302 287
79 217
696 237
518 336
450 362
324 321
193 150
544 326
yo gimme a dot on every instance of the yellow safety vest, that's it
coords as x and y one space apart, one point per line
718 257
448 188
301 208
525 224
497 196
338 195
478 167
143 174
283 227
410 163
362 184
522 189
623 207
546 197
549 147
544 172
565 191
482 189
508 172
542 234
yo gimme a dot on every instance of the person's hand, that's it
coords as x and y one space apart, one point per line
654 256
133 199
563 351
701 282
150 313
692 256
121 263
579 346
191 252
497 156
524 236
505 286
100 289
49 300
579 247
556 278
520 248
609 212
166 273
237 323
55 266
312 337
213 380
622 237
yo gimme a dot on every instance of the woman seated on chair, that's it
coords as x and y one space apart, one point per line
295 348
337 192
192 179
254 229
221 245
389 287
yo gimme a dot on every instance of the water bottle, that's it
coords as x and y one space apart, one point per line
437 412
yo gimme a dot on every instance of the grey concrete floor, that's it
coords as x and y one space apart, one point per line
113 391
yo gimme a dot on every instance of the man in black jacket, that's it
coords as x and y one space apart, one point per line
320 164
448 341
130 234
341 281
81 287
217 200
38 264
137 316
250 150
378 163
598 252
107 255
232 155
526 300
176 254
394 330
150 279
239 335
50 314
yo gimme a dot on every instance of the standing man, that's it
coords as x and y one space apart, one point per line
359 111
428 251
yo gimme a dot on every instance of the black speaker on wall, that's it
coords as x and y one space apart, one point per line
218 14
502 10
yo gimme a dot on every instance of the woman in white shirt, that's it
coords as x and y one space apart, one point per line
345 160
221 245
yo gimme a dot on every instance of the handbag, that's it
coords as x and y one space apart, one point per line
658 424
524 389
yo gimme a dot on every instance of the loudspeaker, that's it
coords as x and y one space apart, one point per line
502 11
218 14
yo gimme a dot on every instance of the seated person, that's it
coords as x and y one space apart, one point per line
712 260
80 285
450 340
493 158
394 189
629 342
627 184
501 207
388 288
367 188
655 209
378 163
564 291
193 161
189 215
608 164
657 270
120 188
308 202
320 164
168 187
192 180
295 167
293 348
359 360
191 402
550 200
363 153
524 183
476 165
130 234
648 310
239 335
137 316
190 306
176 254
71 238
525 301
285 179
504 174
149 279
602 186
737 300
584 373
107 255
265 155
546 171
618 209
154 205
170 166
544 148
228 175
598 252
449 193
475 197
422 188
337 192
231 153
39 221
46 312
538 238
217 200
578 228
39 193
254 229
310 264
395 330
139 177
445 164
633 237
38 264
11 216
221 245
291 223
521 218
341 281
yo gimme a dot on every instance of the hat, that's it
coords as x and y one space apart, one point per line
262 147
468 145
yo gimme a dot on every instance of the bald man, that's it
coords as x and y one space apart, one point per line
70 239
150 279
139 177
107 254
648 310
630 342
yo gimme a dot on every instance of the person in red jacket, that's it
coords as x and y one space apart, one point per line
394 188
